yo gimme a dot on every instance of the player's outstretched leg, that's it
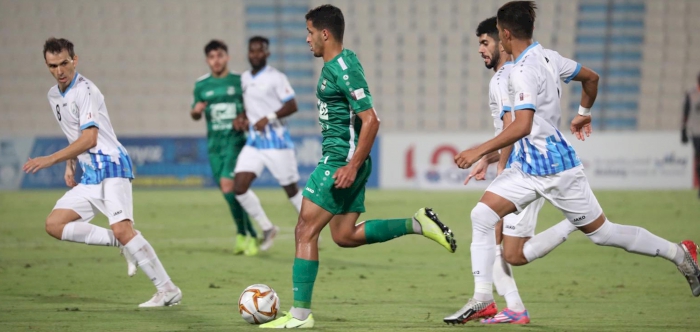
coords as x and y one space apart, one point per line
640 241
136 245
68 225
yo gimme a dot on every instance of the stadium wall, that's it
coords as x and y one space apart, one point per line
419 56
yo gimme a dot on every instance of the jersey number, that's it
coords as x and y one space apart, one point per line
322 110
58 113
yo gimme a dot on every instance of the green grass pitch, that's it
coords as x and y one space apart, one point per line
406 284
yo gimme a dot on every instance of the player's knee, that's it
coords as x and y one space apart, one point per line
515 258
345 240
483 218
54 226
305 231
123 231
601 235
239 189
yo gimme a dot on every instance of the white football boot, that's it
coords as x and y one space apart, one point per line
163 299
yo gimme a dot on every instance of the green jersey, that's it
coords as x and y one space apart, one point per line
342 92
224 98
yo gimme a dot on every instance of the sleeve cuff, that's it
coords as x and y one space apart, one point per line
571 77
89 124
525 107
504 110
286 99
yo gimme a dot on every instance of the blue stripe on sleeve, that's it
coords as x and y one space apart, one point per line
571 77
525 107
286 99
88 125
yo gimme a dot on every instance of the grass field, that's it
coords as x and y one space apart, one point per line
406 284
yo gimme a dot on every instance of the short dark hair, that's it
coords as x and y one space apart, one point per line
518 17
55 46
488 27
259 39
214 45
328 17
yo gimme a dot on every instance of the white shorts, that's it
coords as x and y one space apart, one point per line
523 224
282 163
112 197
568 191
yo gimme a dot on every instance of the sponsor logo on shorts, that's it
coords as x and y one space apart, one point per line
510 226
117 213
580 218
309 190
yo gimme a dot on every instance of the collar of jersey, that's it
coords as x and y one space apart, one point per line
75 78
259 72
525 51
337 56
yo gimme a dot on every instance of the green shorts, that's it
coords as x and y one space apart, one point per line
223 163
321 190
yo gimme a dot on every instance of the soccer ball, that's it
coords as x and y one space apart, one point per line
258 304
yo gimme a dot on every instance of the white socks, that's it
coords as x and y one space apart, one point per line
296 201
636 240
541 244
83 232
483 250
251 204
505 283
149 263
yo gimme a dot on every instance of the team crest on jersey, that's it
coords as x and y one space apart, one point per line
323 84
74 109
231 91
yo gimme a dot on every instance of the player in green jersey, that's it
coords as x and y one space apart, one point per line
218 95
335 191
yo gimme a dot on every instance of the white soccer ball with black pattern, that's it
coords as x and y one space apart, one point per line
258 304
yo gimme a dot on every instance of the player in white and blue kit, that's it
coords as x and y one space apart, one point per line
544 164
79 107
268 98
514 230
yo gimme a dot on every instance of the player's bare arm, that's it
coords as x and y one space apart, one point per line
287 109
86 141
69 175
196 112
345 176
518 129
581 124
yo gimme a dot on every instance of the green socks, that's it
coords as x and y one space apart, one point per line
303 277
381 230
241 218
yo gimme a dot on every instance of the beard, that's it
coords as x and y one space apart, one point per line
495 58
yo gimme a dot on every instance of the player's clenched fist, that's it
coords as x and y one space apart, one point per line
345 176
467 158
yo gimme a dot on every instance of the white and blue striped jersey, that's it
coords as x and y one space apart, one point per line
499 102
265 93
534 84
82 106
